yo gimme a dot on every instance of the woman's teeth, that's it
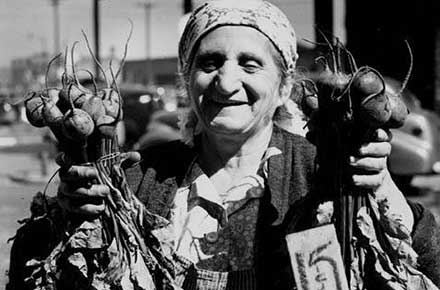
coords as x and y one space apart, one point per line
225 101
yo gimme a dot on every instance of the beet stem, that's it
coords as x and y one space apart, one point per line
72 60
125 50
351 61
118 92
48 68
47 185
338 55
94 58
64 76
92 77
314 42
408 74
332 52
322 60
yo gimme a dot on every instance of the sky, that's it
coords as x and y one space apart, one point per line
26 26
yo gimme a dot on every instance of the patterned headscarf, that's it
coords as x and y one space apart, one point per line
261 15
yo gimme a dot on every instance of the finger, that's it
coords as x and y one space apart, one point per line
78 173
372 181
88 208
63 160
383 135
369 163
130 158
375 149
83 192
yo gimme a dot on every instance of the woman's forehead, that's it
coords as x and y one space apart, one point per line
235 39
261 15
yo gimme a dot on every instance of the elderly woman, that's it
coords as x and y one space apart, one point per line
238 184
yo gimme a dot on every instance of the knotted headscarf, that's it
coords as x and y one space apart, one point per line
261 15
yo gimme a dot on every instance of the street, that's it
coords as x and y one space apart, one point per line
21 178
15 199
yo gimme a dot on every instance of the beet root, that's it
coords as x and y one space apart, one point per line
106 125
367 90
34 110
399 111
77 124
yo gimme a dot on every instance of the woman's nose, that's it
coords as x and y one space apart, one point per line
228 80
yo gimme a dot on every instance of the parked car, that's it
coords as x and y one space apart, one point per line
8 112
415 145
163 127
139 103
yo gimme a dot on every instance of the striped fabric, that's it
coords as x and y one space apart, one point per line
191 278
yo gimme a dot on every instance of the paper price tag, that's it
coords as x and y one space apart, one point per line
316 259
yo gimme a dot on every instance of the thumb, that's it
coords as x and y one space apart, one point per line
63 160
130 158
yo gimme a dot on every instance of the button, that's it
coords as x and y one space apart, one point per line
211 237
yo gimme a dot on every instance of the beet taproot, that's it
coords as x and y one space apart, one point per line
74 92
94 107
51 113
34 110
77 124
106 125
112 103
367 91
399 111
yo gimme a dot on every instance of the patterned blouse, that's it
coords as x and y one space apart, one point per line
215 231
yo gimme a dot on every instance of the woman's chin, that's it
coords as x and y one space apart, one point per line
230 128
226 128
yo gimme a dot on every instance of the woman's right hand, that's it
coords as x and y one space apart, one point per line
79 191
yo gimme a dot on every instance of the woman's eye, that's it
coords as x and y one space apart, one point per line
208 66
251 66
209 63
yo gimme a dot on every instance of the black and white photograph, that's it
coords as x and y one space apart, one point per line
219 145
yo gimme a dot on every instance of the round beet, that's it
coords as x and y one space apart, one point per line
34 110
53 94
331 85
375 111
106 125
399 111
367 92
77 124
74 93
51 113
366 83
94 107
112 103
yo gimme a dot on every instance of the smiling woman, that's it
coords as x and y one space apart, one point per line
240 184
235 82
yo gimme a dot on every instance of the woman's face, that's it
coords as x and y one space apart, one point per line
234 82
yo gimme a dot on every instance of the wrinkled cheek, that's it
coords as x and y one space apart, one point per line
268 108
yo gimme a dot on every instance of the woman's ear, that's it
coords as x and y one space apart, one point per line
285 91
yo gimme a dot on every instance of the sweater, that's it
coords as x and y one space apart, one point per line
286 207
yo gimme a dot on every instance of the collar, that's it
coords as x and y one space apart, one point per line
278 173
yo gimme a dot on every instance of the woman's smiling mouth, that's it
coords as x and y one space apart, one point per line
226 102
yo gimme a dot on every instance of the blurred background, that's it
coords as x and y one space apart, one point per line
33 31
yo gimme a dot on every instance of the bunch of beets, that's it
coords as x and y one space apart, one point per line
346 105
117 250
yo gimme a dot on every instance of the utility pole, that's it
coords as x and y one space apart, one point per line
56 25
323 19
187 6
96 34
147 5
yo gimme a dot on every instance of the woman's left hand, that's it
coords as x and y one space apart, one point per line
370 164
370 171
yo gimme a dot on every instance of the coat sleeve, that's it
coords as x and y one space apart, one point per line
426 241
